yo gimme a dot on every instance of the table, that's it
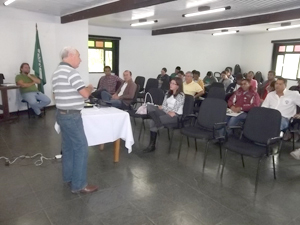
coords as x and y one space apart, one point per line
107 124
4 106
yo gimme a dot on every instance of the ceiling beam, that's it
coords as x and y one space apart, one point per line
115 7
246 21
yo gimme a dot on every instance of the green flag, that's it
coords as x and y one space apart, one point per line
38 64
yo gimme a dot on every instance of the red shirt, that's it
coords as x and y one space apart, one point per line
245 100
109 82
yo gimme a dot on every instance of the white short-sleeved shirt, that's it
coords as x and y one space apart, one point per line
285 104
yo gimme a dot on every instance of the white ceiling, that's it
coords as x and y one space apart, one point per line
167 14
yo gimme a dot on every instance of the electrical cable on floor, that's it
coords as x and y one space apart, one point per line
36 163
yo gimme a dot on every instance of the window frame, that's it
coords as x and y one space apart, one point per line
115 49
276 52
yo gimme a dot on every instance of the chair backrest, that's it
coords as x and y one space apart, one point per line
237 69
157 94
118 85
139 80
151 83
217 75
188 106
212 110
216 92
166 84
258 77
261 124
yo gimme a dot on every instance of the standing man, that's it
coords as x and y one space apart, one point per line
69 93
285 101
124 95
27 82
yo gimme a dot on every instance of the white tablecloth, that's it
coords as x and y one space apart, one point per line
103 125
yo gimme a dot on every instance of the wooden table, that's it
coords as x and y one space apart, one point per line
4 106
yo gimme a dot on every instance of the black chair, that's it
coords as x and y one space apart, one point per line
217 75
259 77
133 101
210 124
166 84
187 111
139 80
216 91
158 97
294 127
151 83
260 137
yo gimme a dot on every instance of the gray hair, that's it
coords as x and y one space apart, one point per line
189 72
66 51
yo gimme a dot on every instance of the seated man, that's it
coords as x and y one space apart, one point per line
285 101
225 80
190 87
209 78
108 83
196 76
163 79
265 88
27 82
124 94
242 101
173 75
235 85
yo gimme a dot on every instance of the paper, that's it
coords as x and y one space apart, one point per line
229 112
57 127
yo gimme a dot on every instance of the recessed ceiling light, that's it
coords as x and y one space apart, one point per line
6 3
206 10
143 22
224 32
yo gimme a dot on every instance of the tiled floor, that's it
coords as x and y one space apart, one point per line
153 188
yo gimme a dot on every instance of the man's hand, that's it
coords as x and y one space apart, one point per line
297 116
115 96
235 109
160 107
34 79
172 114
90 86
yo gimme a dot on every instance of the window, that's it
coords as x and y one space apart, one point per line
103 51
286 59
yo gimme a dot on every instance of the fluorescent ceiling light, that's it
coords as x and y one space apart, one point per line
6 3
144 23
283 27
225 28
225 32
206 12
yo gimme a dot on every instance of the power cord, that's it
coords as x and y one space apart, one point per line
36 163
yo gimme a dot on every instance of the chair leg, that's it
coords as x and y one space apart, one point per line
274 169
144 124
196 145
293 141
205 154
220 146
224 162
257 175
179 146
141 130
134 121
188 141
169 134
170 144
243 161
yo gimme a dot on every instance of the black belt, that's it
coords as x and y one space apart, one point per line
69 111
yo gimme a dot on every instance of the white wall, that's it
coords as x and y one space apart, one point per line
17 41
145 55
257 50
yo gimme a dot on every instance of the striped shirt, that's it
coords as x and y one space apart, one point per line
66 84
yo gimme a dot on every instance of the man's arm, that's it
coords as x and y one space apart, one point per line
199 91
34 79
86 91
22 84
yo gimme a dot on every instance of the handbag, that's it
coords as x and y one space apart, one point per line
142 110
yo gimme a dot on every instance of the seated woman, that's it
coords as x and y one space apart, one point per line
169 112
